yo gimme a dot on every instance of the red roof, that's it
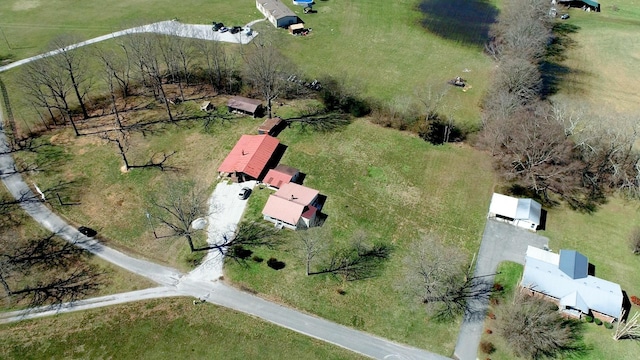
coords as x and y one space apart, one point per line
279 176
297 193
283 209
250 155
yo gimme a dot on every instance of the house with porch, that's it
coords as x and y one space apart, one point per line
243 105
293 207
564 279
277 13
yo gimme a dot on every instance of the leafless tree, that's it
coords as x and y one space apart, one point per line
438 276
72 63
217 64
120 138
534 328
628 329
313 243
178 207
634 240
265 70
248 234
48 86
111 75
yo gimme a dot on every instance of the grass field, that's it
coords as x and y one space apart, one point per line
159 329
601 72
394 187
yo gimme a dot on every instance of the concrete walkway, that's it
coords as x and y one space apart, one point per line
500 242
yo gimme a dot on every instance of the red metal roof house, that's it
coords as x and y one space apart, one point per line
281 175
249 157
293 206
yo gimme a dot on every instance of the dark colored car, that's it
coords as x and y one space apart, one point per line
86 231
235 29
217 26
244 193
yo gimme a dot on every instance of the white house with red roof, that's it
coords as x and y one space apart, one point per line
293 206
249 158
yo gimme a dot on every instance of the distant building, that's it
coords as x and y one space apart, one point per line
245 105
271 126
277 13
206 106
592 5
524 213
564 279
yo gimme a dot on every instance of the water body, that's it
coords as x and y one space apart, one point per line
466 21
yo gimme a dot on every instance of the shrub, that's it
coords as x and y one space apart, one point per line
487 347
257 259
635 300
341 291
588 319
608 325
598 321
489 331
634 240
491 315
275 264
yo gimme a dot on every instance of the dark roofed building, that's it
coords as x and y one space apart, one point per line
271 126
245 105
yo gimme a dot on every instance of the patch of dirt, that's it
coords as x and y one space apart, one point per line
25 5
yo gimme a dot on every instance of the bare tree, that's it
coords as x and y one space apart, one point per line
178 207
265 67
438 276
71 61
217 64
634 240
535 329
313 243
111 71
248 234
629 329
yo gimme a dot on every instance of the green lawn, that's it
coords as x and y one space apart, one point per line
159 329
393 186
602 65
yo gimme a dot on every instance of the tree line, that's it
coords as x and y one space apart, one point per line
545 146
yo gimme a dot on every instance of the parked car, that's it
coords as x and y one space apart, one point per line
235 29
248 31
86 231
244 193
217 26
564 16
224 29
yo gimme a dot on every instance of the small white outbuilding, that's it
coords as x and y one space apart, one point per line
524 213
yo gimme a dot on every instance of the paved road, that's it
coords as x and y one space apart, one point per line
175 28
500 242
92 303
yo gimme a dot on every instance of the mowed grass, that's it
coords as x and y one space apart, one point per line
394 187
159 329
115 203
602 66
597 340
380 49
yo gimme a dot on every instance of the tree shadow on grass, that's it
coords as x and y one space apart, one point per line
466 21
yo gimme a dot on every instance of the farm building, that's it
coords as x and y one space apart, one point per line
280 175
245 105
592 5
249 158
296 28
524 213
293 206
277 13
271 126
564 279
